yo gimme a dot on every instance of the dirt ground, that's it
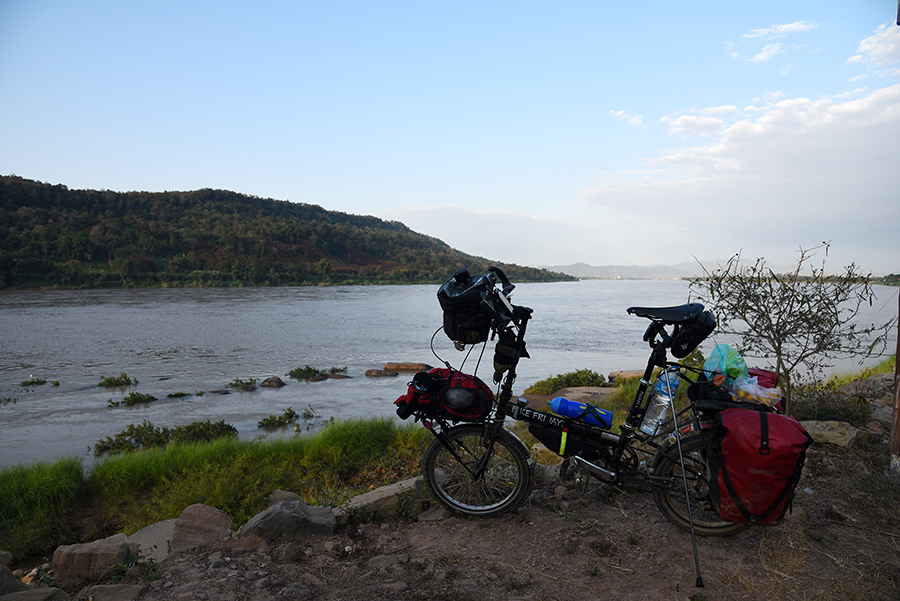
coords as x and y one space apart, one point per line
841 542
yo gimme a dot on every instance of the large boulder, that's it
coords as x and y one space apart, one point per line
201 527
74 566
405 499
841 434
291 520
8 582
155 540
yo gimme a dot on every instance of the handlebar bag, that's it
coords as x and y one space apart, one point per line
466 319
755 459
446 394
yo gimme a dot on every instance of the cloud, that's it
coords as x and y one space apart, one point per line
636 120
881 48
688 125
792 170
750 41
720 110
780 31
767 53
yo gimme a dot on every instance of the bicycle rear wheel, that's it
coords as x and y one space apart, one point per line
670 498
503 483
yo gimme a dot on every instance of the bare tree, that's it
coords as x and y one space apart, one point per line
793 319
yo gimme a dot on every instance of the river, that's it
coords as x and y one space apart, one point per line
197 340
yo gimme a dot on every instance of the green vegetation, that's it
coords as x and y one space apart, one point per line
273 422
33 382
796 320
129 491
887 365
313 373
245 385
36 499
132 398
51 236
147 436
115 381
580 377
177 395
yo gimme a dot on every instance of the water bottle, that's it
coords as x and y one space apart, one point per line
660 399
594 416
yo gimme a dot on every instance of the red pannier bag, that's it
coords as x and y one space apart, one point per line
446 394
756 458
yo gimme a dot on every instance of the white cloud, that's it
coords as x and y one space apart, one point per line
636 120
881 48
780 31
720 110
767 53
750 42
798 169
688 125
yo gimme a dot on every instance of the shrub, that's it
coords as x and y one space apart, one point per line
312 373
580 377
273 422
248 384
147 436
114 381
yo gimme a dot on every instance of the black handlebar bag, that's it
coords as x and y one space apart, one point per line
466 319
756 458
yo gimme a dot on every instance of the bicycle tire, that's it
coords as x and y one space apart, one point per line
670 498
503 486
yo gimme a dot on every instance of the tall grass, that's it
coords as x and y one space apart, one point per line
126 492
34 500
345 458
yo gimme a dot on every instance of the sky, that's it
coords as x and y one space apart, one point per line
536 133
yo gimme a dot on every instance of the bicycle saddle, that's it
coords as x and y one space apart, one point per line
678 314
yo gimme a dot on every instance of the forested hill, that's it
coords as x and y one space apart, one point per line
53 236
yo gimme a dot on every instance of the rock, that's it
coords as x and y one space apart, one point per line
841 434
593 395
77 565
273 382
5 558
635 373
294 520
875 427
115 592
38 594
8 582
884 416
282 495
379 373
416 367
402 498
874 387
155 540
200 526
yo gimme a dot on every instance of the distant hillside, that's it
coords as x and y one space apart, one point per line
631 272
53 236
653 272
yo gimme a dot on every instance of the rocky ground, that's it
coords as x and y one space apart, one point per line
842 541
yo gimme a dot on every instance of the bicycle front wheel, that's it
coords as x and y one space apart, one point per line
474 477
670 495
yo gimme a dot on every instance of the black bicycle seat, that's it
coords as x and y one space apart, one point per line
678 314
